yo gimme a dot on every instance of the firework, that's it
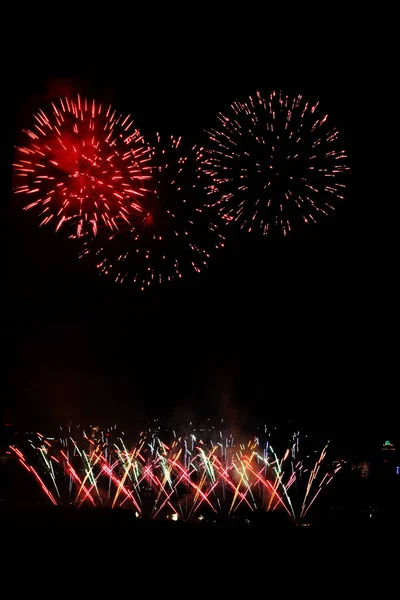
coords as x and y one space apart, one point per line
204 472
175 234
83 165
274 163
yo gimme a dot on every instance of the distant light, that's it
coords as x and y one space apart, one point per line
397 470
175 517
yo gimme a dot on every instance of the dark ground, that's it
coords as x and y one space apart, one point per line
116 553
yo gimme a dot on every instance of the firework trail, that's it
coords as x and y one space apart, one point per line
192 475
175 234
83 165
274 163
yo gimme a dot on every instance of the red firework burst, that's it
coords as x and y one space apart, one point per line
176 234
84 165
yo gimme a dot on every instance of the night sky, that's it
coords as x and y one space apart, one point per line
277 329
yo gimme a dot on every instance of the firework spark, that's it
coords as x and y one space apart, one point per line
274 163
192 474
175 235
84 165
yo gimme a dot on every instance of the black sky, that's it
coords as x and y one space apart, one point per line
296 329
